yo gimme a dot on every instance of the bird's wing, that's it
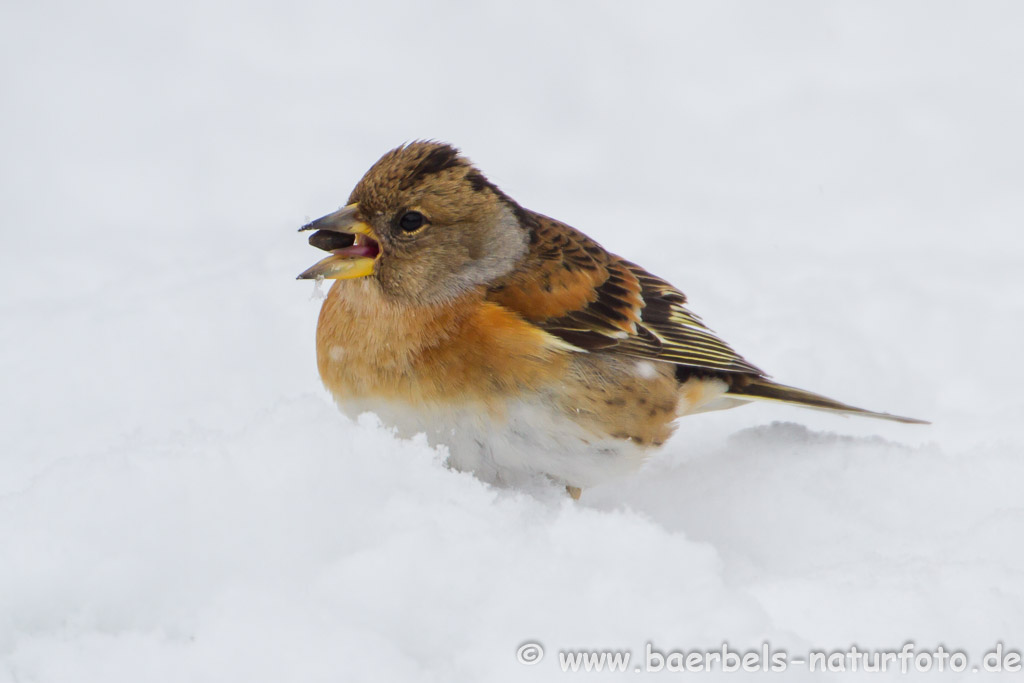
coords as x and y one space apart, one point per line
571 287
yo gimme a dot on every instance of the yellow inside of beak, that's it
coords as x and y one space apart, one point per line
351 262
339 268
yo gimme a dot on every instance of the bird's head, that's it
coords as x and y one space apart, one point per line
424 224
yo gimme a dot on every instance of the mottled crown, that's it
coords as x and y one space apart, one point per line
404 168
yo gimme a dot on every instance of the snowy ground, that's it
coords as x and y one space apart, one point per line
837 186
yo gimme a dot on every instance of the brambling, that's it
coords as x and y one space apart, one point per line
510 337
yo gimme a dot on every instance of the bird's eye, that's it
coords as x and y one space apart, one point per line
411 221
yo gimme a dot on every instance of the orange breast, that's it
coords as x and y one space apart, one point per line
369 346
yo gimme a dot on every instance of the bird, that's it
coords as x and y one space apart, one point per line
510 338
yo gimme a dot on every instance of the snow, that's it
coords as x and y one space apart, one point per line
835 186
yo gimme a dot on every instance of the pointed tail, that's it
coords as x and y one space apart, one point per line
764 389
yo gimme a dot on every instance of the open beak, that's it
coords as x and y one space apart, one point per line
353 245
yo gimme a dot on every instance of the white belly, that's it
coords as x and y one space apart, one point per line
528 442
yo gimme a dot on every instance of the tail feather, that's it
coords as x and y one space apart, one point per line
767 390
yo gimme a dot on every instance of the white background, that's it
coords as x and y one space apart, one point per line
836 186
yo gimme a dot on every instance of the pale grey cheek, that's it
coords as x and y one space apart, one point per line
505 244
